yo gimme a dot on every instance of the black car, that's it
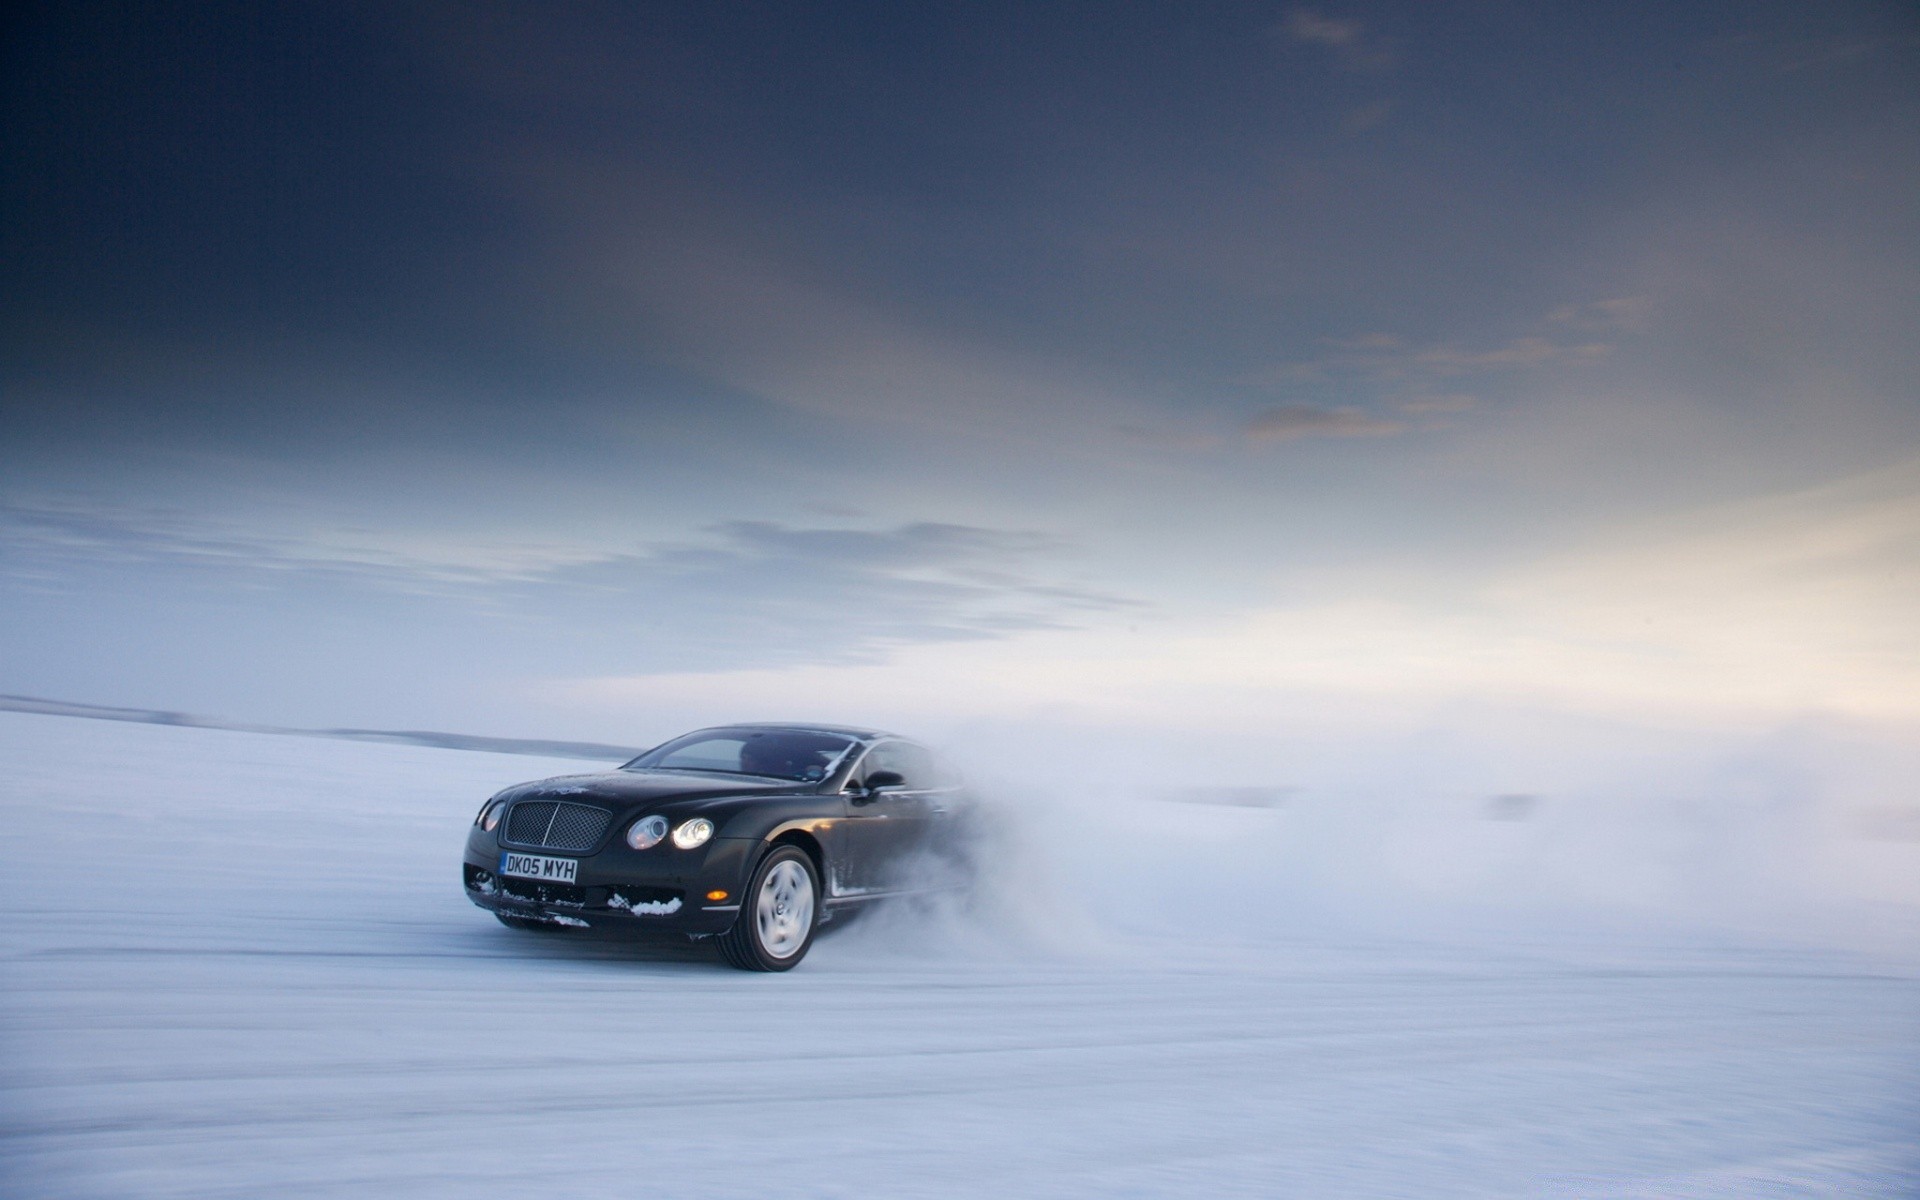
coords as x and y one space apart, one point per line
751 835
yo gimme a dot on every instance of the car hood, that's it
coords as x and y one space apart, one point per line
624 789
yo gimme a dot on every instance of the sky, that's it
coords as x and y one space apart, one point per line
598 370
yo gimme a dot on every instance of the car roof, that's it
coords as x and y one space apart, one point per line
852 731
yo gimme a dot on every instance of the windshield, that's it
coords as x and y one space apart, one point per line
798 755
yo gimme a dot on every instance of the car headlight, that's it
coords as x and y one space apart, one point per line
693 833
646 833
490 814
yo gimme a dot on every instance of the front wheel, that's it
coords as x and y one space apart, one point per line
778 916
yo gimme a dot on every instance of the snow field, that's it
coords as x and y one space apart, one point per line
240 965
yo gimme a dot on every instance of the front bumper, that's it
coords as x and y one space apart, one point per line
664 889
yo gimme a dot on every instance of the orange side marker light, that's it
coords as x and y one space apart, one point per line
716 896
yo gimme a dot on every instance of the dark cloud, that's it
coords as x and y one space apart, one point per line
750 593
52 543
523 293
791 594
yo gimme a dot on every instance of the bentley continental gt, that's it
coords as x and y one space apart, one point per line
750 836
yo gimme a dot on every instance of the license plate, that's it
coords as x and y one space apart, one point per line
534 866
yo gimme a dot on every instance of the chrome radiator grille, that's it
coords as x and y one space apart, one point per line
556 825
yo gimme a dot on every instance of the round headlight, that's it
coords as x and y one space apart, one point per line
646 833
693 833
490 814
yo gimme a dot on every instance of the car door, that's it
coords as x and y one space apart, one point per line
888 827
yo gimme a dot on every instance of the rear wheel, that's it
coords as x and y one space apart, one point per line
778 915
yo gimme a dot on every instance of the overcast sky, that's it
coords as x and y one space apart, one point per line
558 369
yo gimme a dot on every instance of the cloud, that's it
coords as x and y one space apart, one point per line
1621 312
1347 39
1367 341
1386 358
47 538
1451 402
1521 352
744 592
724 288
1293 422
1773 607
1305 26
768 592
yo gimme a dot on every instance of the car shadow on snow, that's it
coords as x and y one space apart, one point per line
910 931
598 945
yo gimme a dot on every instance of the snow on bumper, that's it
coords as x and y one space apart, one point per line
613 891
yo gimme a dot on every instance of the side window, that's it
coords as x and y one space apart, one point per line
914 763
919 769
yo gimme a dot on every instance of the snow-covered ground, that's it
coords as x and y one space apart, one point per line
240 965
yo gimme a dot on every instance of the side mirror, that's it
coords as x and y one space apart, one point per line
882 779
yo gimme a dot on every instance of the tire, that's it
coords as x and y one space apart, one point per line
779 914
531 925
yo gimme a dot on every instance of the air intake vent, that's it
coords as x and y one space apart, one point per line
556 825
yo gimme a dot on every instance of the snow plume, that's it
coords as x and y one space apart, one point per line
1476 822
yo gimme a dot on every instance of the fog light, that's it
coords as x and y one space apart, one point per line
716 895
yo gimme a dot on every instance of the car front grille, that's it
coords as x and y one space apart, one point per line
556 825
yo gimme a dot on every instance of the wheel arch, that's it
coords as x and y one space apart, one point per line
807 842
